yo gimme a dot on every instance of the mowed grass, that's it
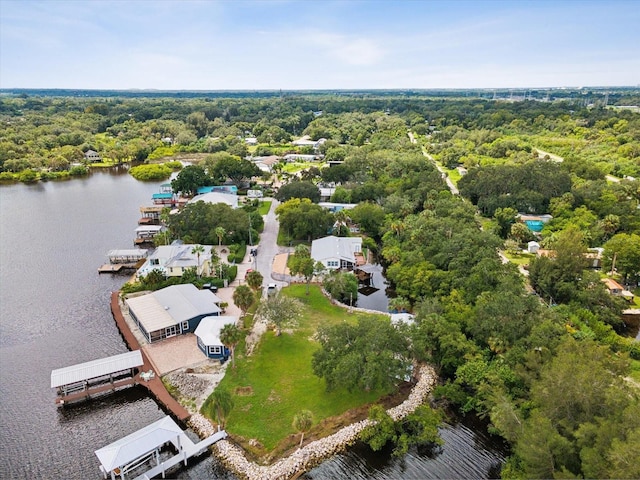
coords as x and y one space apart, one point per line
276 382
264 207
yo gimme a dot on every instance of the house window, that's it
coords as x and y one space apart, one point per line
185 326
215 350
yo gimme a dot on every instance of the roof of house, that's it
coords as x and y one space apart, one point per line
209 329
137 444
175 255
335 247
230 199
611 284
172 305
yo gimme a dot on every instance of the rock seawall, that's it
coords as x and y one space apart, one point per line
315 452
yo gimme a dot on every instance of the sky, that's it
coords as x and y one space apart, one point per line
318 44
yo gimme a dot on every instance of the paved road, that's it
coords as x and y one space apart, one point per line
268 247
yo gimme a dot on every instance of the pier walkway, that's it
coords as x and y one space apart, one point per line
154 384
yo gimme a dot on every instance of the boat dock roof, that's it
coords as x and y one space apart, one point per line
95 368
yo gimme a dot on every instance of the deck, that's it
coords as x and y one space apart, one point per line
154 385
117 267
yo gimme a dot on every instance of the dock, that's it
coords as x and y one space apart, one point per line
88 379
124 260
154 385
117 267
140 450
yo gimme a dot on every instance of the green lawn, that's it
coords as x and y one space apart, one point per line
521 258
277 381
264 207
295 167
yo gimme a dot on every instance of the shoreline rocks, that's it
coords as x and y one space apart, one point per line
317 451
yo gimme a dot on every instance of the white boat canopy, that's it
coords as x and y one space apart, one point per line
95 368
121 453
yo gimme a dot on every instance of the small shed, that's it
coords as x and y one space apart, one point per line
208 333
533 247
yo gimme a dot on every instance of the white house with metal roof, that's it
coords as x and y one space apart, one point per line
173 310
208 333
336 252
173 260
230 199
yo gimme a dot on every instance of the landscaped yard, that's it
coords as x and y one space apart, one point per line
277 381
520 258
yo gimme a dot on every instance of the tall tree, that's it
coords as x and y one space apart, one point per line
243 298
279 310
230 336
301 263
372 354
198 250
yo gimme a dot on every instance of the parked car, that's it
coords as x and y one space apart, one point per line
272 288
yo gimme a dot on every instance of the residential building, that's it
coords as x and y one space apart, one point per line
337 253
173 260
173 310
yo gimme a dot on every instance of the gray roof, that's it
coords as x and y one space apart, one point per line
332 247
95 368
172 305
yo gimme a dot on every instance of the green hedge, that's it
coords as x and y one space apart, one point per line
237 253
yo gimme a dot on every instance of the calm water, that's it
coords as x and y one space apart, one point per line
54 312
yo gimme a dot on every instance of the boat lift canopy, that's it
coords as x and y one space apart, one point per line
122 455
95 368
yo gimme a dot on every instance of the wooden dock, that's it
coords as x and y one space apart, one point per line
117 267
154 385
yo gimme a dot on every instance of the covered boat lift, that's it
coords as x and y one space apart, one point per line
133 451
85 379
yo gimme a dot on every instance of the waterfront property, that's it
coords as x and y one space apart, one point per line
124 260
337 252
133 453
213 197
173 310
173 260
146 233
150 214
208 333
78 382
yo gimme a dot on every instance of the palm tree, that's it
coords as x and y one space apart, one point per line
243 298
302 422
230 336
197 250
220 233
222 405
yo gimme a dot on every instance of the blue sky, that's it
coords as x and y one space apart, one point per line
316 44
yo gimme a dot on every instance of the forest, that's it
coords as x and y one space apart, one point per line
544 358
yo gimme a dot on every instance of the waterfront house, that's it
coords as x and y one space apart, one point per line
208 333
173 260
92 156
230 199
337 252
171 311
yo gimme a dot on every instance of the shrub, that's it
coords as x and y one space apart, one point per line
78 170
150 172
237 252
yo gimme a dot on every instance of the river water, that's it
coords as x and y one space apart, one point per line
54 312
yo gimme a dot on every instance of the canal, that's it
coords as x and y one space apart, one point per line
54 311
